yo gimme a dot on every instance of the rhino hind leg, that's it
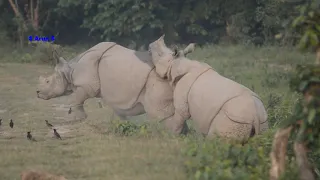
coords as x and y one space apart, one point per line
262 116
223 126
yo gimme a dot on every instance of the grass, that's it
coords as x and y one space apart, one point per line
88 151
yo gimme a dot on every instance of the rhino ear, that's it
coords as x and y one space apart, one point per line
161 38
62 60
175 51
62 65
189 49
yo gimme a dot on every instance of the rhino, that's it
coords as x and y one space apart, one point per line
123 78
217 105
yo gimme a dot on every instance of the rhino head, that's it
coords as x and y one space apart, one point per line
57 84
162 56
159 50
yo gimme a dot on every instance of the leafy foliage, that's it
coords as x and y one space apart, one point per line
216 159
140 21
128 128
308 24
307 78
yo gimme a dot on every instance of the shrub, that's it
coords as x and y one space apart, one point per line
216 159
127 128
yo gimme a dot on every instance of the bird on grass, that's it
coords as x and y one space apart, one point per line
29 136
48 124
69 112
56 134
11 123
100 104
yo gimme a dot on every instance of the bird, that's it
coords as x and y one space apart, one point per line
56 134
0 122
48 124
69 112
100 104
11 123
29 136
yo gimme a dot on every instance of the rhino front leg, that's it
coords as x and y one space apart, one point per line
177 124
158 103
77 110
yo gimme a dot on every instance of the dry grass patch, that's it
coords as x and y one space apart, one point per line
86 152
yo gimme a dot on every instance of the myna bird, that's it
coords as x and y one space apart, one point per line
69 112
56 134
100 104
29 136
11 123
48 124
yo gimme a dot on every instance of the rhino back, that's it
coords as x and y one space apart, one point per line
208 95
123 74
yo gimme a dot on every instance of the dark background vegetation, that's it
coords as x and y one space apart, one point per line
79 24
137 22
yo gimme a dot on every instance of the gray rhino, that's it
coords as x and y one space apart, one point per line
216 104
125 80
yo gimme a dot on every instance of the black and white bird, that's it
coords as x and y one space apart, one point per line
100 104
48 124
11 123
29 136
56 134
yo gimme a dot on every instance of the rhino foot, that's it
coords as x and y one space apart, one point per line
78 113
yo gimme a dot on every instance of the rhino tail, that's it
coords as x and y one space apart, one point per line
256 119
253 131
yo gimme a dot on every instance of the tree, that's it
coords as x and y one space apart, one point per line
31 11
305 123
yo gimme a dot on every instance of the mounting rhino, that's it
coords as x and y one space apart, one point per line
216 104
125 80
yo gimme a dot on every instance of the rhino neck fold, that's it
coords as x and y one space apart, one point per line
68 77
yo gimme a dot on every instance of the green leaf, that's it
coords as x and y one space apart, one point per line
314 41
311 14
197 175
303 85
311 115
317 26
297 21
304 40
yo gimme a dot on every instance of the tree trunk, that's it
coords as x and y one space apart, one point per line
278 153
21 36
35 20
31 11
305 169
17 13
318 56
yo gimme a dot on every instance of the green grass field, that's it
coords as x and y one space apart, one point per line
89 152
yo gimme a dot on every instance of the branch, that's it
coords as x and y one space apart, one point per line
31 11
278 153
17 13
318 56
304 166
35 20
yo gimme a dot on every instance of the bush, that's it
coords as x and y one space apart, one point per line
127 128
216 159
